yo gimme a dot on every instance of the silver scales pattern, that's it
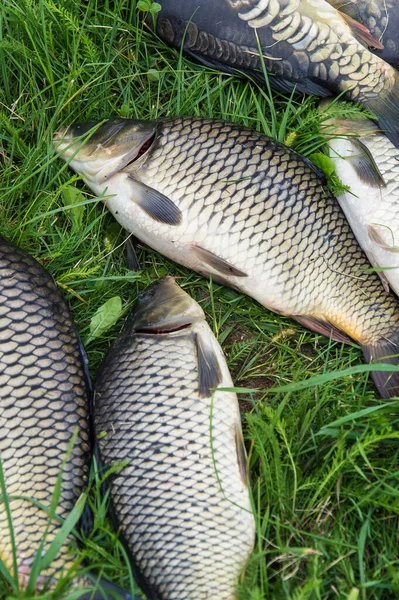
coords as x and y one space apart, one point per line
187 539
43 401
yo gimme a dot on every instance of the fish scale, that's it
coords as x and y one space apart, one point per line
274 204
43 401
369 164
308 46
181 504
252 214
381 17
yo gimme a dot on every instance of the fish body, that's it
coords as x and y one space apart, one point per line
369 164
44 403
234 205
182 499
306 44
381 17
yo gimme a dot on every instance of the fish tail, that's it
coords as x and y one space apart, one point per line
384 352
385 106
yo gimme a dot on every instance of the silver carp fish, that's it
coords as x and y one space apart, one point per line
233 204
306 44
381 17
182 500
44 403
368 163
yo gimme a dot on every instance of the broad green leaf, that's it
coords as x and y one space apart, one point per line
73 198
106 316
148 6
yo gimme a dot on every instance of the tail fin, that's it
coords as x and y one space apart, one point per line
385 106
387 353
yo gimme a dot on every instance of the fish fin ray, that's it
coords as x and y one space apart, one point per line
155 204
361 33
324 328
276 81
385 107
241 455
219 264
306 86
381 274
376 237
131 256
209 372
365 166
385 351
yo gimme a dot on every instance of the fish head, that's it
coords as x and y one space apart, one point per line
164 307
100 150
336 124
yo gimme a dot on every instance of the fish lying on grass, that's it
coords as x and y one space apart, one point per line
231 203
369 164
43 405
381 17
306 44
182 499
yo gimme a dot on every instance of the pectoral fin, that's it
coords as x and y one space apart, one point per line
219 264
209 373
365 166
155 204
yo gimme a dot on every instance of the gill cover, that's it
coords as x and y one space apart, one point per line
103 150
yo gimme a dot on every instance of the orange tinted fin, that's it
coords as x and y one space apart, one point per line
386 382
323 327
361 33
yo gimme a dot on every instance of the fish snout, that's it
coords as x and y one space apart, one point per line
60 133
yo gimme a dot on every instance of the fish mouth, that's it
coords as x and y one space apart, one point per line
99 150
164 308
164 331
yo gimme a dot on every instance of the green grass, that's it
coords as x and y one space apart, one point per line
323 456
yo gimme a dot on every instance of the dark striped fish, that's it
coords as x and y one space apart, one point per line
306 44
182 499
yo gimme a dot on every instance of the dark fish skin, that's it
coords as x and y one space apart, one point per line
231 203
381 17
181 498
44 401
306 44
